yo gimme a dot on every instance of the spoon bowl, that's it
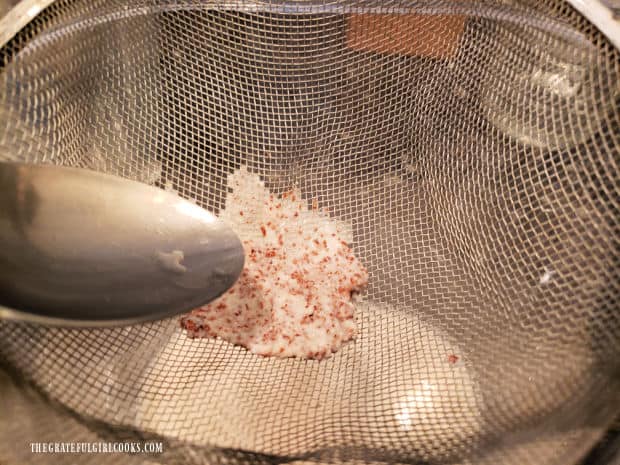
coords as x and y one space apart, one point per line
82 248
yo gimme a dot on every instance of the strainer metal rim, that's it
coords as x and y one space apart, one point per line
605 15
19 16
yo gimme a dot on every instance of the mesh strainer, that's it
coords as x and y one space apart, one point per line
472 146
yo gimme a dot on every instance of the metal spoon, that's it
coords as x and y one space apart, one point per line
80 248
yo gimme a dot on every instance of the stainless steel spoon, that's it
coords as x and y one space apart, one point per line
80 248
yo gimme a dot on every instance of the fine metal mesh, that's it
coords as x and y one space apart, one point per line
479 171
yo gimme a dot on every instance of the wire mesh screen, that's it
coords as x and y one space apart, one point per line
473 148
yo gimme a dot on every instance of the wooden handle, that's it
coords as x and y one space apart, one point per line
421 35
